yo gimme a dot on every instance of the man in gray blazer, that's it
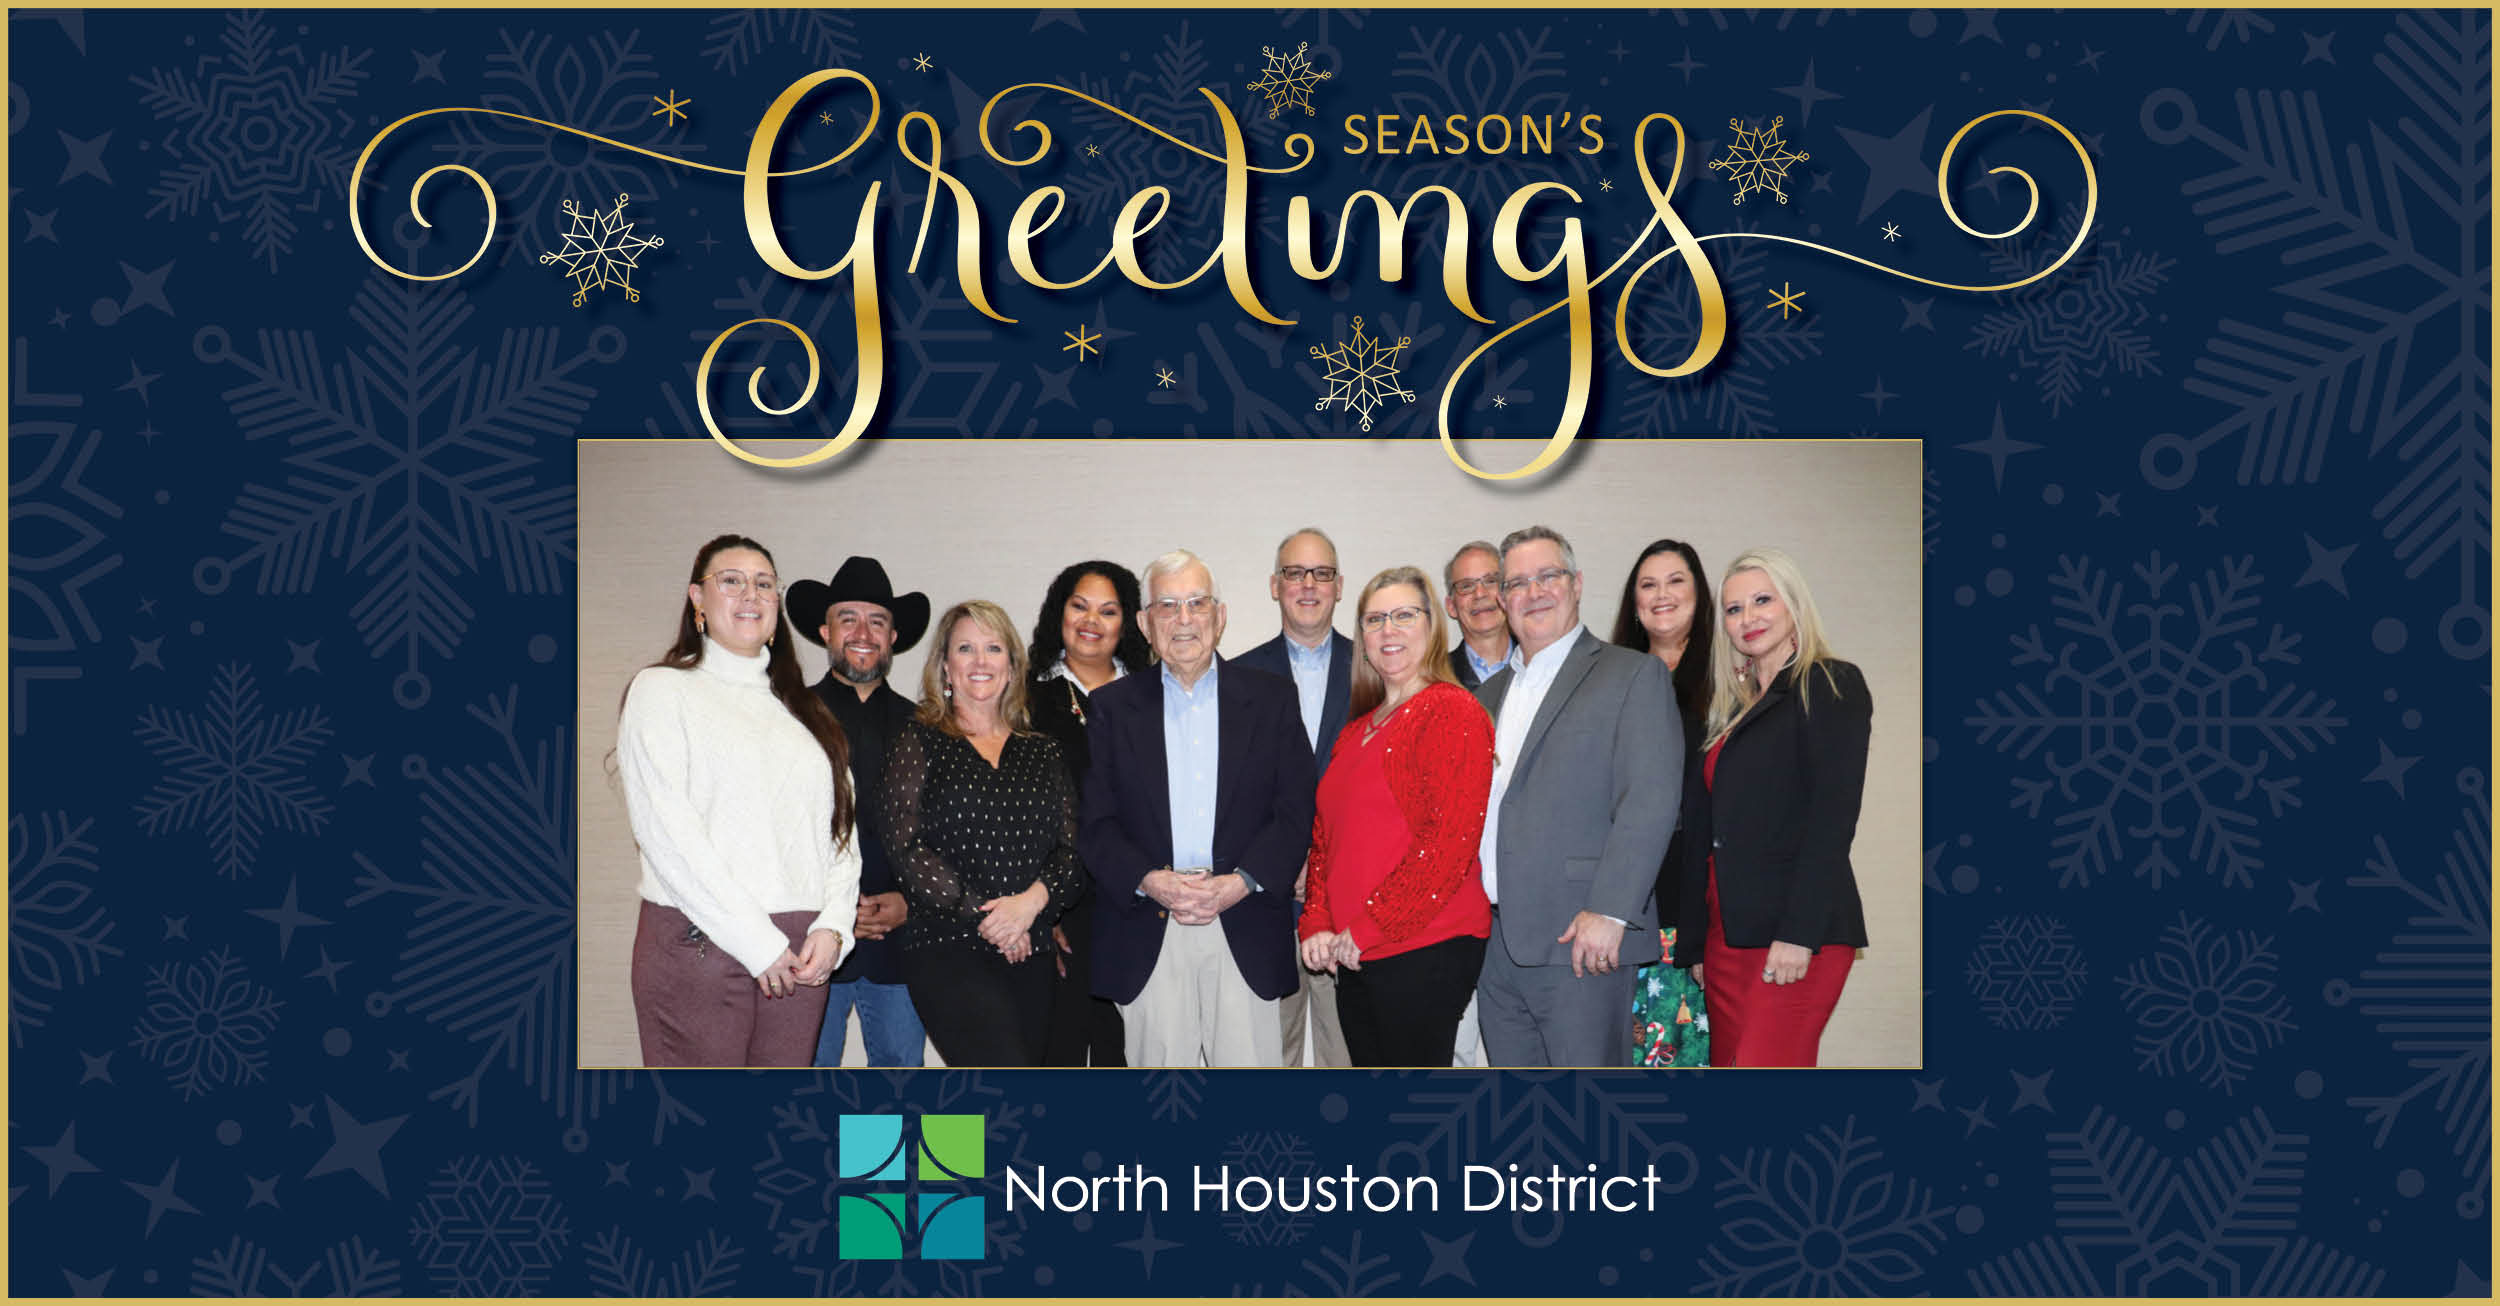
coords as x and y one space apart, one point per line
1587 770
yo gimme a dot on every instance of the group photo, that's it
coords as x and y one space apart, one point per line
1250 754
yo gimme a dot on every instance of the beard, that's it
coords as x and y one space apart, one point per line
863 676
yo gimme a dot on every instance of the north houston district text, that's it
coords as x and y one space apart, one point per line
1481 1188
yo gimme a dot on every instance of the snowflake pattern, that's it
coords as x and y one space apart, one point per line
258 133
707 1269
2079 325
2205 1003
1828 1222
1289 79
2429 993
243 1268
1738 395
232 771
1276 1155
1758 160
1362 375
2392 271
820 36
207 1023
1515 75
59 935
490 1227
1570 1120
1349 1273
2026 972
1174 1095
601 249
2131 727
2133 1223
57 542
413 462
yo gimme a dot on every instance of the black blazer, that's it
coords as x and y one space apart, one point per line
869 728
1783 808
1263 810
1275 659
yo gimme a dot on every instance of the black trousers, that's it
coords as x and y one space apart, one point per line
1084 1029
1403 1010
978 1009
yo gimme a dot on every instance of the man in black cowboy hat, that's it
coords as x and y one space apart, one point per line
862 623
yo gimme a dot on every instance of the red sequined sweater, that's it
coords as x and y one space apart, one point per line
1393 849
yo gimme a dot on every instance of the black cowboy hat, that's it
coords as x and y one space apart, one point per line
861 580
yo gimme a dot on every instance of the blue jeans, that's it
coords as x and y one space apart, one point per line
886 1020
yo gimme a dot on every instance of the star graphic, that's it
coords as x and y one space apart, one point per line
2467 1283
1785 299
1821 183
1891 233
1057 18
1977 23
264 1191
2212 517
616 1173
2032 1090
1892 162
1930 1094
2304 896
399 1058
1164 377
1927 874
2108 507
2321 48
1449 1259
146 289
920 63
1914 313
672 106
2390 769
1687 65
328 970
1081 340
356 1145
1501 401
1998 447
1605 183
1878 395
2326 566
39 226
96 1067
147 653
429 66
1146 1245
699 1184
359 771
301 657
1805 93
161 1197
93 1285
826 118
86 158
299 1115
1619 52
2091 59
286 916
147 606
60 318
61 1159
1092 151
707 242
177 927
1977 1116
1055 385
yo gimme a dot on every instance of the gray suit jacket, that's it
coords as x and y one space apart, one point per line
1591 803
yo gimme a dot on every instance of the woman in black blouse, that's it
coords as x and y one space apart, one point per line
1086 637
980 821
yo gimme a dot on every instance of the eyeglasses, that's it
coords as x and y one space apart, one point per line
1469 585
1196 605
736 584
1315 575
1402 618
1544 580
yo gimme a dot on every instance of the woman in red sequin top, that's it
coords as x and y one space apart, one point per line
1395 904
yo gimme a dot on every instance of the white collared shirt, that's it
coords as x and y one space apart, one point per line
1529 681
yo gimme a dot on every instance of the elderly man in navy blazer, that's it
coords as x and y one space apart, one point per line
1309 652
1197 817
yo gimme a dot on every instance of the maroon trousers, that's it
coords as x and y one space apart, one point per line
696 1006
1754 1022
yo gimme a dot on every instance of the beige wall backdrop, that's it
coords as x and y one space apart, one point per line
997 519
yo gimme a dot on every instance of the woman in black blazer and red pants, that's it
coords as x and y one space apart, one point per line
1786 768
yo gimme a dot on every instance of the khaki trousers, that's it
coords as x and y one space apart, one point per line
1314 1007
1197 1011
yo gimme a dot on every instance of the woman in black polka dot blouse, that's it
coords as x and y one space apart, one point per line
980 821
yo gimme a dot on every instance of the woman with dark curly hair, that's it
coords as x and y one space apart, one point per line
737 782
1086 637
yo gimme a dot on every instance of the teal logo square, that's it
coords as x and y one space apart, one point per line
926 1209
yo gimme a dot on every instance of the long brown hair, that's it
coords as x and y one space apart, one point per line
937 711
1368 689
781 671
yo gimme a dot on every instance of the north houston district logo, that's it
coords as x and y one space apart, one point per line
930 1205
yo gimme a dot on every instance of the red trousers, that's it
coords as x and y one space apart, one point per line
1757 1023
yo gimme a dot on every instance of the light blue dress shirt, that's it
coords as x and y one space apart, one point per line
1189 753
1310 676
1484 670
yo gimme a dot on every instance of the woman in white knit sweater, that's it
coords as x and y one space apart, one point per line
737 782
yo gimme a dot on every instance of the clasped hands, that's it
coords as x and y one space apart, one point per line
811 965
1007 923
1196 898
1329 950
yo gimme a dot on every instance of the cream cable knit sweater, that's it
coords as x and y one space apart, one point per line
731 801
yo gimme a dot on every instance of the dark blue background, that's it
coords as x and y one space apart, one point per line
2207 915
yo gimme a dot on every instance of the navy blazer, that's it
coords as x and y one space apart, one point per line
1263 810
1275 659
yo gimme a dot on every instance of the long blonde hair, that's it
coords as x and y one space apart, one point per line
937 711
1368 688
1733 688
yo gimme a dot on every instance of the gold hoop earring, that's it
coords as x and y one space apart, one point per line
698 623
